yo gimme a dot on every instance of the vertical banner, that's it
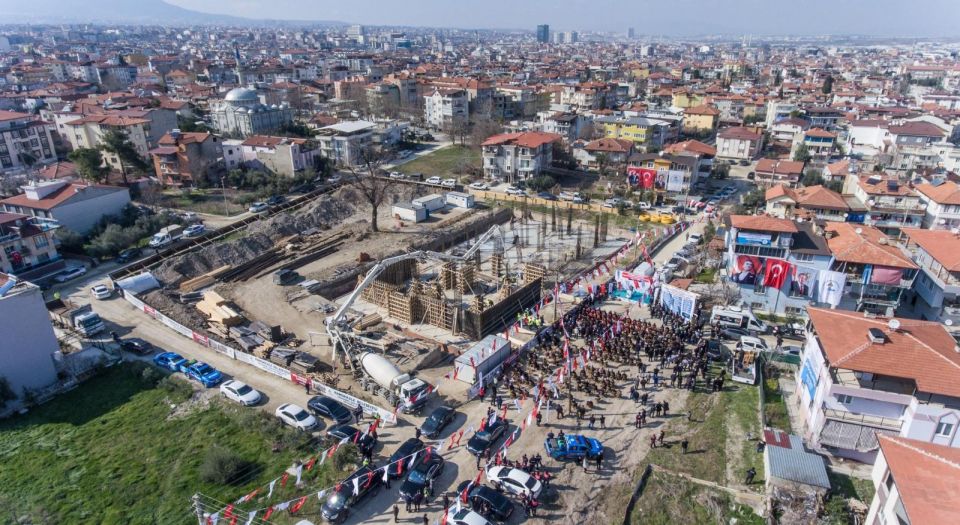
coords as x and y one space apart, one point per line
745 269
775 273
675 180
801 284
830 287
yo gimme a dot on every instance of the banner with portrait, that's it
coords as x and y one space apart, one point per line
745 268
661 181
642 177
802 281
675 180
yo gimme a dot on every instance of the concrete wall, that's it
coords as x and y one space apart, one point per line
27 341
82 215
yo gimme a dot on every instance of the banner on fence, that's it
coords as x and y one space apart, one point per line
352 402
263 364
179 328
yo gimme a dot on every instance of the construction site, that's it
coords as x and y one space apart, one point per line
292 287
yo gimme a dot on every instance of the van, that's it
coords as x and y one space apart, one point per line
732 316
753 344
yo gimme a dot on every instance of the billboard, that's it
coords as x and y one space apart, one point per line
643 177
675 180
756 239
678 301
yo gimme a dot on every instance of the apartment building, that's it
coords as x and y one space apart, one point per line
810 203
914 482
739 143
181 159
775 171
28 364
935 295
281 155
669 173
25 141
88 132
75 206
518 156
890 204
863 377
27 246
699 119
611 154
819 142
445 109
941 203
641 130
344 142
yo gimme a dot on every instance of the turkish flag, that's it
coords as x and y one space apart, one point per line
776 274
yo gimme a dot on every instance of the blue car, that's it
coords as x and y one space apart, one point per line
169 360
204 374
572 447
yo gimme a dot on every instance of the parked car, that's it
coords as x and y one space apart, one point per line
612 202
513 190
734 333
194 230
751 175
514 481
572 446
791 350
101 292
449 183
127 255
435 181
426 469
465 516
482 186
407 448
436 421
240 392
694 238
547 196
364 441
397 175
402 154
338 504
498 507
484 439
296 417
306 187
744 162
169 360
330 408
204 374
71 273
258 207
137 346
336 178
275 200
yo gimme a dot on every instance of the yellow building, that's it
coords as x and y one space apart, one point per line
700 118
639 130
686 99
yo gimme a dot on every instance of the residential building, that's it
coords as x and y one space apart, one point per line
182 159
543 33
774 171
700 119
76 207
281 155
890 204
862 377
445 109
569 125
941 203
518 156
27 357
641 130
784 132
819 143
823 117
763 241
383 99
704 153
811 203
877 272
915 481
88 132
779 110
25 140
344 143
739 143
608 155
935 295
27 246
241 114
674 174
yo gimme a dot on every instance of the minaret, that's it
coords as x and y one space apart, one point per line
239 71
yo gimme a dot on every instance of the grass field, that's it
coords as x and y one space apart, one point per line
206 201
452 161
707 276
774 409
114 451
668 499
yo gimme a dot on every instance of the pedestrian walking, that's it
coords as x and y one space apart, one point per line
599 462
660 438
409 502
418 432
751 473
499 402
603 421
637 422
653 441
446 501
666 408
539 417
593 421
584 462
425 520
417 499
684 444
396 513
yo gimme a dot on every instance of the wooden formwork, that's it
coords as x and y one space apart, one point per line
378 292
465 278
496 263
399 272
448 275
401 306
532 272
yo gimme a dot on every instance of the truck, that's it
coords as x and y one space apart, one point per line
572 446
383 378
80 318
166 236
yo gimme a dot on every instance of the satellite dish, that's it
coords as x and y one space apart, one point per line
893 324
859 231
943 221
948 322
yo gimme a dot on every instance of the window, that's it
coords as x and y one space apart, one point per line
41 241
793 310
888 482
944 429
802 257
844 399
757 306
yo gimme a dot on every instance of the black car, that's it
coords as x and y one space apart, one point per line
715 350
306 187
329 408
137 346
734 333
744 162
546 195
276 199
488 502
407 448
484 439
436 421
127 255
339 502
365 442
426 469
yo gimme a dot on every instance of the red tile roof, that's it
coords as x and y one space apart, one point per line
13 115
946 193
185 138
917 129
862 244
922 351
610 145
926 476
821 133
781 167
691 146
942 245
529 139
739 133
52 200
762 223
702 109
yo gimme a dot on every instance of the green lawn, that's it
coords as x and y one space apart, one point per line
707 276
451 161
774 410
113 451
206 201
668 499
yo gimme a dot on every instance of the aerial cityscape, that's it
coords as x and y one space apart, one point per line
467 263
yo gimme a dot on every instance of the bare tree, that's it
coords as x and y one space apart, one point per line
483 128
367 178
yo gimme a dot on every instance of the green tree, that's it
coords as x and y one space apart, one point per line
89 163
802 154
118 143
827 87
811 177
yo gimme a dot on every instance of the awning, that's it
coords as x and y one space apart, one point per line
851 436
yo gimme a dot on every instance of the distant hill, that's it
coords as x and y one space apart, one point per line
145 12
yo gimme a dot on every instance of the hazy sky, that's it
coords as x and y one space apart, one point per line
678 17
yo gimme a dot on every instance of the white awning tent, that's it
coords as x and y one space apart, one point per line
139 283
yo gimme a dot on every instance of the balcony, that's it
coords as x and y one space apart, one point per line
890 385
885 423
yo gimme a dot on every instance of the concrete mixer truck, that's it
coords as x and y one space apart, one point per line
383 378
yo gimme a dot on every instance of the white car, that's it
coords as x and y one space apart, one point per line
296 417
71 273
465 516
694 238
449 183
612 202
397 175
514 481
436 181
259 207
513 190
101 292
644 205
482 186
240 392
194 230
